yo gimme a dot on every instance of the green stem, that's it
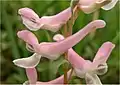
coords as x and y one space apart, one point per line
72 20
96 15
70 75
65 70
68 32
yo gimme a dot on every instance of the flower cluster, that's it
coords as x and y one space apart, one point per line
53 50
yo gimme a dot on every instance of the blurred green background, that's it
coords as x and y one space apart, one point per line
12 47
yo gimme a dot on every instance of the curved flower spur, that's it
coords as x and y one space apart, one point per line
89 70
53 50
89 6
53 23
32 78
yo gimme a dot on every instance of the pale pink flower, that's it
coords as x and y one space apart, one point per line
32 78
53 23
89 70
89 6
52 50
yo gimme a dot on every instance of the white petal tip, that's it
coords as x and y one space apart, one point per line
58 37
110 5
110 44
29 62
99 23
26 83
21 64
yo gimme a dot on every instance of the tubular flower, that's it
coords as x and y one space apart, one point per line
32 78
89 6
89 70
33 60
53 50
53 23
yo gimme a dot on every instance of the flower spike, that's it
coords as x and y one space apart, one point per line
32 21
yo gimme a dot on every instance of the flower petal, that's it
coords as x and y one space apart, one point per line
29 62
32 75
86 2
83 67
29 47
76 60
33 22
103 53
57 48
58 37
28 13
49 22
30 18
26 83
92 79
110 5
32 25
101 69
28 37
88 6
79 72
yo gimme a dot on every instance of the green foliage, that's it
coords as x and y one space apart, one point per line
12 47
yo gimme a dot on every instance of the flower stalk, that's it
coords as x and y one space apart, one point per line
95 17
68 32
